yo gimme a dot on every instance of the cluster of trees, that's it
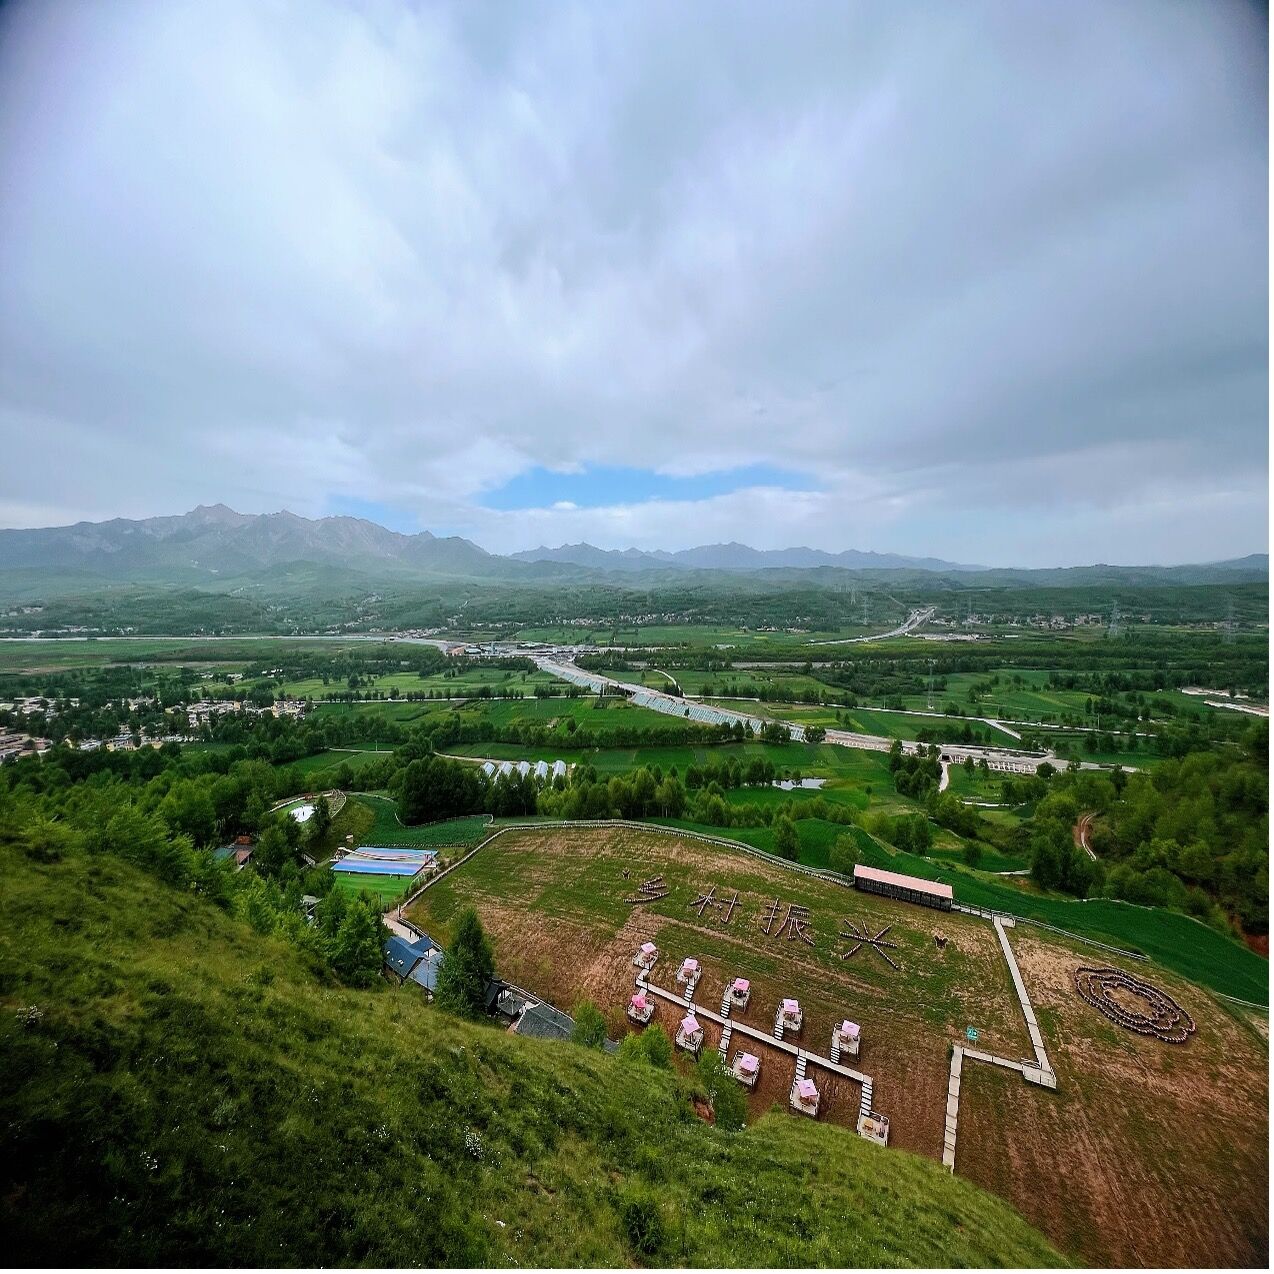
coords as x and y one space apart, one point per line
431 788
452 729
730 773
915 773
1192 834
167 824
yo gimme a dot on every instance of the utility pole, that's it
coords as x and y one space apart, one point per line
931 685
1114 630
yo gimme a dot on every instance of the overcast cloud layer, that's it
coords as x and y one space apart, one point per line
987 282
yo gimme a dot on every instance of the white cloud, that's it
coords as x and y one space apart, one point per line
964 264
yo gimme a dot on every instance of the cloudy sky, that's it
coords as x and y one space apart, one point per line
982 281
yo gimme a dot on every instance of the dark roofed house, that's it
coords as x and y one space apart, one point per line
543 1021
425 974
401 956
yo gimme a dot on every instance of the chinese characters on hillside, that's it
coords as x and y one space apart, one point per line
779 920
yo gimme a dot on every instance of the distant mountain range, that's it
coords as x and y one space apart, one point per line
214 540
732 557
214 544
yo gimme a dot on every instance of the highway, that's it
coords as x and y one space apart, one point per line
1000 759
913 621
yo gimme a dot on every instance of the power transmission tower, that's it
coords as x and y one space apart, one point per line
931 685
1231 627
1114 630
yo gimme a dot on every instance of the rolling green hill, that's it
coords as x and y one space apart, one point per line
180 1090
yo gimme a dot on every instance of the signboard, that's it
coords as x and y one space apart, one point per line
971 1034
875 1127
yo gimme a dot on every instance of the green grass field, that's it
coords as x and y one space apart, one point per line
356 758
685 636
385 829
384 889
497 680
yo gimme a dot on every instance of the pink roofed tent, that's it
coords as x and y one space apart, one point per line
791 1006
689 964
689 1025
748 1062
648 948
741 985
639 1001
849 1029
805 1090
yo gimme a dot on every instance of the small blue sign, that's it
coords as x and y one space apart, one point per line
971 1033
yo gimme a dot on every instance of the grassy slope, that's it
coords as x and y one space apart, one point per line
192 1093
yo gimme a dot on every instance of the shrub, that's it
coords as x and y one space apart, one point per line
652 1047
590 1025
643 1222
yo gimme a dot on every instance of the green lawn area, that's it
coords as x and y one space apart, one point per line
385 889
356 758
599 716
499 681
977 786
385 829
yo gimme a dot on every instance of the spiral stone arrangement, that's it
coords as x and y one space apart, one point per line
1162 1017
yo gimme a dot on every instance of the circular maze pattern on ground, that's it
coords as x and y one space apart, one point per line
1161 1017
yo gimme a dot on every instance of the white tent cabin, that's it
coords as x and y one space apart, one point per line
805 1097
641 1008
689 973
746 1069
790 1016
690 1034
845 1039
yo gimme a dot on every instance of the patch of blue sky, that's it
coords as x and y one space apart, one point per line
605 485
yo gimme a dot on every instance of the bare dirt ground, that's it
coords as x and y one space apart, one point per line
1148 1153
544 898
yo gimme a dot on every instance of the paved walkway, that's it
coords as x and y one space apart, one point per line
761 1037
1032 1026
